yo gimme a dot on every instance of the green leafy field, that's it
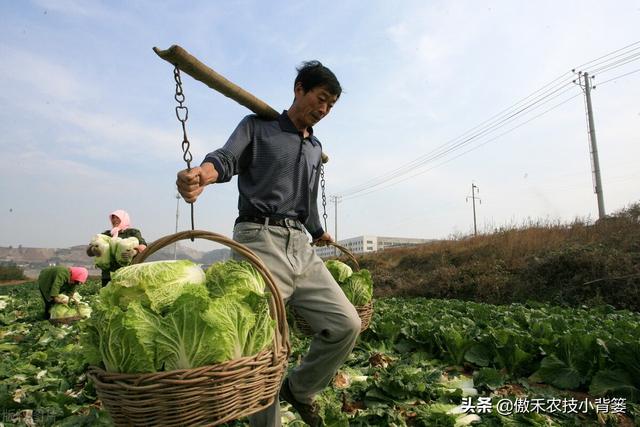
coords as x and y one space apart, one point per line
420 359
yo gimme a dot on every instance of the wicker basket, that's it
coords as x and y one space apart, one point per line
208 395
364 311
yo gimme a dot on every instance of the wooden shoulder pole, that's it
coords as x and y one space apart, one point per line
189 64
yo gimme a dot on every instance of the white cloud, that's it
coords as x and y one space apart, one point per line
27 74
110 136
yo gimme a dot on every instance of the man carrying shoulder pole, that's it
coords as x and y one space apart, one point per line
278 166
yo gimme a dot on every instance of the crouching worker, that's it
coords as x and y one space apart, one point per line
57 283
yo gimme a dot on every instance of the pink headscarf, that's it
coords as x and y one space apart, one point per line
125 222
79 274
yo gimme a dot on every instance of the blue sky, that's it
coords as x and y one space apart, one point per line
89 125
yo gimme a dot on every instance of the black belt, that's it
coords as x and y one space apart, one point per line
280 222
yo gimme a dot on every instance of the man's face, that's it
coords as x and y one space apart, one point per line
315 104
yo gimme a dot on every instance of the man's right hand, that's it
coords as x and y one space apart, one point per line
192 182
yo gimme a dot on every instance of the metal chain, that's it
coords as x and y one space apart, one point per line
324 197
182 113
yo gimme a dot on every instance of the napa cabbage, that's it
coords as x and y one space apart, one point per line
84 310
359 288
124 341
232 321
339 270
161 316
63 311
233 276
260 335
155 284
101 245
185 338
120 248
465 384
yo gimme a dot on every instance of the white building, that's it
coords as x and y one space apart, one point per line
363 244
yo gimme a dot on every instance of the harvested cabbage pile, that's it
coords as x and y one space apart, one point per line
166 315
357 286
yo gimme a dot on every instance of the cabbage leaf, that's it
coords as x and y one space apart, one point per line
155 284
233 276
339 270
359 288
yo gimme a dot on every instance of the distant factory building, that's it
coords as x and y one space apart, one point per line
364 244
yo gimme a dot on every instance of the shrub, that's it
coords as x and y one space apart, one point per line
10 271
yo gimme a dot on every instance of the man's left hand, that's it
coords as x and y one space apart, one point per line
323 240
129 254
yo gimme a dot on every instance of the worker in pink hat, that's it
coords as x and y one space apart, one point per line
120 227
56 283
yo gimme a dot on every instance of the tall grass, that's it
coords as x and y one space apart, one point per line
576 263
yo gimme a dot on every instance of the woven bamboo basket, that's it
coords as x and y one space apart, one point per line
364 311
208 395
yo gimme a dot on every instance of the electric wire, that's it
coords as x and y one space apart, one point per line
487 123
615 64
448 148
608 54
510 114
490 126
494 120
616 58
467 151
618 77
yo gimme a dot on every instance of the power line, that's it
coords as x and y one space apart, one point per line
608 54
493 123
540 97
439 153
459 141
617 77
616 64
465 152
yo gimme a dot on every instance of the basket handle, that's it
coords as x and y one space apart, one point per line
276 304
345 251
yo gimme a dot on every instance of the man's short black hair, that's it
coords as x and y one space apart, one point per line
313 74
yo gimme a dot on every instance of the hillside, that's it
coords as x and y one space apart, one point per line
32 260
565 264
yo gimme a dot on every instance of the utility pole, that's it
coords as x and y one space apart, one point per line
473 198
595 162
175 245
335 199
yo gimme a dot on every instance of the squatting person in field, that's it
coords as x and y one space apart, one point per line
57 283
278 166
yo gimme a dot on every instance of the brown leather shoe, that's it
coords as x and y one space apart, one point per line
308 413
